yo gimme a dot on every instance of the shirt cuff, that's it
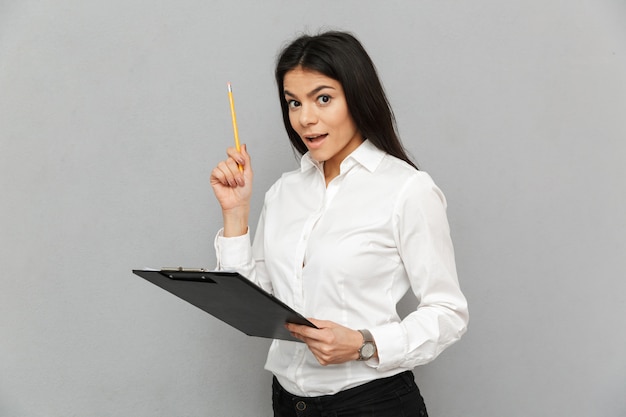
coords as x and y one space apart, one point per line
232 252
391 346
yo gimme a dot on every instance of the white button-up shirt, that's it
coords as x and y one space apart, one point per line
348 252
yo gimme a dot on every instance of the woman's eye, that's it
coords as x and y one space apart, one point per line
293 104
324 99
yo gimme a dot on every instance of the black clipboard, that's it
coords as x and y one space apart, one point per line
231 298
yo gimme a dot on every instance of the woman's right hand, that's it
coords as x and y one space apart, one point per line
233 190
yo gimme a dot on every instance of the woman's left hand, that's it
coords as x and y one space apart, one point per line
331 343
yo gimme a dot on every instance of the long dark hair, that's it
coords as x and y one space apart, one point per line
340 56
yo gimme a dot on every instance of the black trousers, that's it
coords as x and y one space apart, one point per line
396 396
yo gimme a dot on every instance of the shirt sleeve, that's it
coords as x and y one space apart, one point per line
423 238
238 255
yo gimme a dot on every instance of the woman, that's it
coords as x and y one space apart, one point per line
342 239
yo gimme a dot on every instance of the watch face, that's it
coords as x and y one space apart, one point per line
368 350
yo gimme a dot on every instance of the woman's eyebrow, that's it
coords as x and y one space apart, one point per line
311 93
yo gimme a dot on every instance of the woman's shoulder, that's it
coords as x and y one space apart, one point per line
409 183
397 168
285 181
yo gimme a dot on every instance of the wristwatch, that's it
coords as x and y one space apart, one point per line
368 348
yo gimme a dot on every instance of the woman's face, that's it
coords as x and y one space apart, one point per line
318 112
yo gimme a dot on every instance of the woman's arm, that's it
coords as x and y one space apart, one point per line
425 246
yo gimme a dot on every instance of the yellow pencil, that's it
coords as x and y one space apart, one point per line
234 117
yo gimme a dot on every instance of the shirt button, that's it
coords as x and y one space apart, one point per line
300 406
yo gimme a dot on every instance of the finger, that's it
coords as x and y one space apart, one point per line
236 155
218 176
246 155
242 159
226 174
294 329
321 324
297 328
306 333
236 170
297 336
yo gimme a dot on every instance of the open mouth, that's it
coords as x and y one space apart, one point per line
315 138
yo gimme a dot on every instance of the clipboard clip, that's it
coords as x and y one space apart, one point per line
187 274
181 269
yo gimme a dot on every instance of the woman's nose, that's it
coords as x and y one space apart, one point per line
308 115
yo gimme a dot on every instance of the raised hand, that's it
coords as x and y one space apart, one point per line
233 190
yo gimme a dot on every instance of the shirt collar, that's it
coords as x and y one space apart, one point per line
367 155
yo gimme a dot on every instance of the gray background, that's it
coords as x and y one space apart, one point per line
113 113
